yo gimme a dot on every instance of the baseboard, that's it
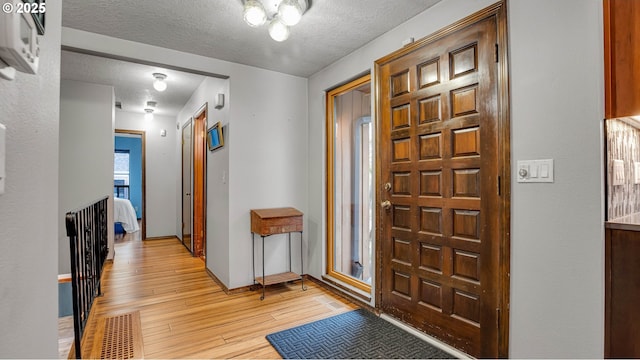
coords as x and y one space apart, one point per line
238 290
224 287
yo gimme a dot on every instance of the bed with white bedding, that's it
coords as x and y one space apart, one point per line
124 214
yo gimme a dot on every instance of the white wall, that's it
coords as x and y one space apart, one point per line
161 159
86 154
29 107
267 163
217 245
557 243
557 236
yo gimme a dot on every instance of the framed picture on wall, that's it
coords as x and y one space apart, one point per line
215 140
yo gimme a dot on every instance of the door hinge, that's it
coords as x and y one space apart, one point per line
497 52
499 187
498 318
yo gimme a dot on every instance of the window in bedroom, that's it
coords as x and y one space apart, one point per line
121 174
350 180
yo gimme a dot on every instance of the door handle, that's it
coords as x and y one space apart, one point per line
386 204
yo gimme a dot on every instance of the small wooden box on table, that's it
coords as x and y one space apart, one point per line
267 222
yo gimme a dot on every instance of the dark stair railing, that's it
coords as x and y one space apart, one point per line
87 232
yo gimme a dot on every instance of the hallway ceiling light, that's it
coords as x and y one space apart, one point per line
159 83
149 114
280 13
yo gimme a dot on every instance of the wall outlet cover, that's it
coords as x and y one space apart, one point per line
617 173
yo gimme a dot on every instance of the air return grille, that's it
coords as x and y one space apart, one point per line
122 338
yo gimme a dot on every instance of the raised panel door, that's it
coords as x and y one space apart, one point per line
439 238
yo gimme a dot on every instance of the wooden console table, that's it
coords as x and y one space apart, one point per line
267 222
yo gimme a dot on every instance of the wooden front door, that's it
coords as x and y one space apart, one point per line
441 202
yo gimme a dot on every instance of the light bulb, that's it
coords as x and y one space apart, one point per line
290 12
159 83
254 13
278 30
149 114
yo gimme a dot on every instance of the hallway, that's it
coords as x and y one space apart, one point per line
185 314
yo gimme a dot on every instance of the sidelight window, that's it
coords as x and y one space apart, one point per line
350 179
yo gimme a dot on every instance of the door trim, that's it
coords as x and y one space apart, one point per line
199 140
499 11
188 122
143 135
330 182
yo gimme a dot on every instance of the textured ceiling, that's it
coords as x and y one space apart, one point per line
329 30
133 83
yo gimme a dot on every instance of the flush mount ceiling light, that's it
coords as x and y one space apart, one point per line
149 114
280 13
151 105
159 83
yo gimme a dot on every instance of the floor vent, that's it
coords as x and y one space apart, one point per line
121 337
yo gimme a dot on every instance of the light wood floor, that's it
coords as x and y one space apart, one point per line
185 314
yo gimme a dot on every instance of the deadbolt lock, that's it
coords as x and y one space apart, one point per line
387 186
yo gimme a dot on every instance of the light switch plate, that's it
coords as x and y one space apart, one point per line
535 171
618 173
3 152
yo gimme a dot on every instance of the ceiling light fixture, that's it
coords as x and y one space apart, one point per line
159 83
254 13
278 30
281 14
290 12
149 114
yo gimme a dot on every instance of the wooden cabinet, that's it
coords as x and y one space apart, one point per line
275 221
622 290
267 222
622 58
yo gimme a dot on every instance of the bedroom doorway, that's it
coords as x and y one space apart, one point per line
129 172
